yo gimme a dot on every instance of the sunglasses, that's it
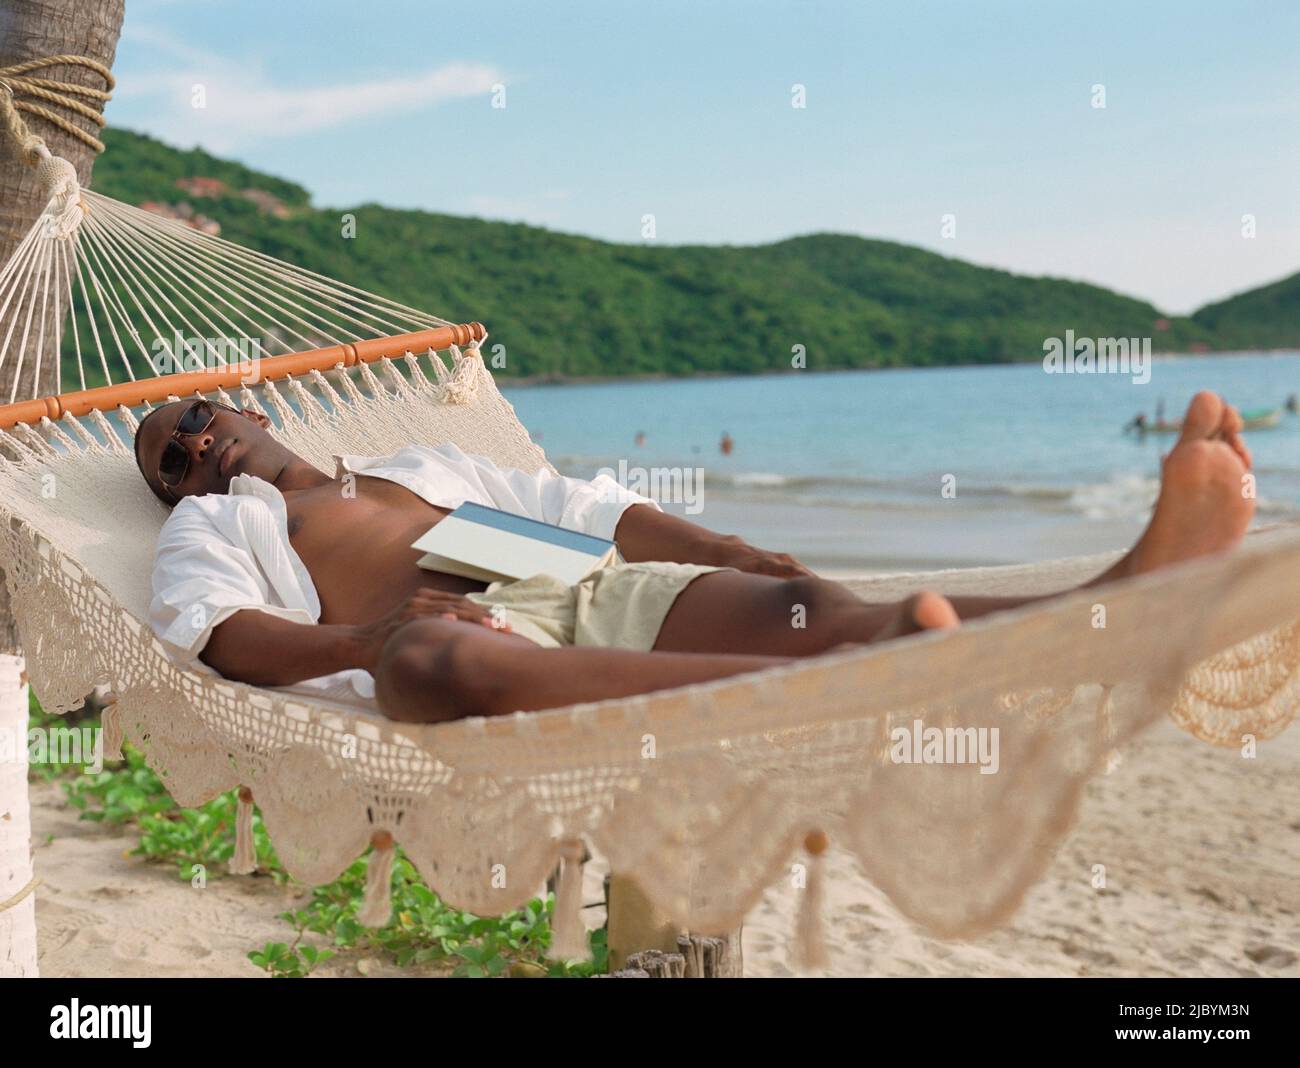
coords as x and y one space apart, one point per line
174 464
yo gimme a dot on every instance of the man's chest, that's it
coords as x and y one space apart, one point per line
362 512
355 539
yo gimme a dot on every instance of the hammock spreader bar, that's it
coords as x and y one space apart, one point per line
269 369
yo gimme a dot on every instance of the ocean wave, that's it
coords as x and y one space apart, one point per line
741 479
1122 496
1117 498
759 478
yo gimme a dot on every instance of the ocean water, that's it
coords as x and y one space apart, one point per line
849 469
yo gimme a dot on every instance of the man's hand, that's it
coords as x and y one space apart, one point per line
422 604
733 551
264 650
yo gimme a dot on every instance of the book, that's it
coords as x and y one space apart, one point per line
484 543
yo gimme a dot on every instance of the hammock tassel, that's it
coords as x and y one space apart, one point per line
244 862
1106 728
110 722
461 387
810 935
568 935
377 904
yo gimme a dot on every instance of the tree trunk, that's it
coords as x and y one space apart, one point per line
32 29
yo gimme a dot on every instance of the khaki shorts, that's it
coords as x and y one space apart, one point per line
621 606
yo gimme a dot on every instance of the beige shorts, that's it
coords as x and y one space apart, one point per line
621 606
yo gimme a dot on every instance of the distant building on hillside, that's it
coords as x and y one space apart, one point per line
202 187
267 203
183 212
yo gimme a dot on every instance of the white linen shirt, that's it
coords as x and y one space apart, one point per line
220 553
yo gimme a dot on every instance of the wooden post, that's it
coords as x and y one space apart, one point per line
635 925
712 958
17 900
657 965
644 943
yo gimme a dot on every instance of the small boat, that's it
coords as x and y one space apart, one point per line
1261 418
1252 419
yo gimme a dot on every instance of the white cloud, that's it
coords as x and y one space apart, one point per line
243 105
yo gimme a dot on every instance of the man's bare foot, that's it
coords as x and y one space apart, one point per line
1204 506
920 612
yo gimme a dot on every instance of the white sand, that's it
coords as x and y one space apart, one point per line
1201 847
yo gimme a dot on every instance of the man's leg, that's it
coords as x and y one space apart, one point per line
1202 509
728 622
735 612
433 670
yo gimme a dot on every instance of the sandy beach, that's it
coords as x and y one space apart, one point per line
1201 847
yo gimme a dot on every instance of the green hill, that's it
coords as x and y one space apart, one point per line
568 305
1264 318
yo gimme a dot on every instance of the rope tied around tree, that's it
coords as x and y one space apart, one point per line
17 83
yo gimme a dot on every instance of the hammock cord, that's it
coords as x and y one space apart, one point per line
10 902
154 295
143 286
16 81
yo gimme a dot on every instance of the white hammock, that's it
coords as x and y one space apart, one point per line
744 770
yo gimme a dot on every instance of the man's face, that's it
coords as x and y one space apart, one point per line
235 442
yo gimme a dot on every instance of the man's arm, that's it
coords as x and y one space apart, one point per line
265 650
645 533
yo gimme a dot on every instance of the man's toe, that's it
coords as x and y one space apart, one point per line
1204 416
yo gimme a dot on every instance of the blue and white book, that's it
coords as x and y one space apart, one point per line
490 545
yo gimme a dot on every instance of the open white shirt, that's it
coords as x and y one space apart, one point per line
223 552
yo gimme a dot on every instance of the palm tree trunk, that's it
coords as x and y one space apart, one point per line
32 29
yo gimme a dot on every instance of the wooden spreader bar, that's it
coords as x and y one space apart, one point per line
269 368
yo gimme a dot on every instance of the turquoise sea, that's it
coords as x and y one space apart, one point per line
848 469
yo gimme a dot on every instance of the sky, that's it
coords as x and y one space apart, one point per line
971 129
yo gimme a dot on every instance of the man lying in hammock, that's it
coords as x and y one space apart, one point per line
273 573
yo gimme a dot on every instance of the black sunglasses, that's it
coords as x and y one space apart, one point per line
174 463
